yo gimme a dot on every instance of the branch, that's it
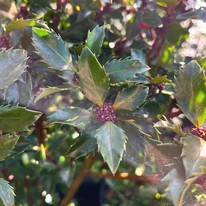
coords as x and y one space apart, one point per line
152 179
79 179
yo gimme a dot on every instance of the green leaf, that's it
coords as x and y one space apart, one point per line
176 179
73 116
22 23
6 193
84 145
151 18
193 154
199 14
92 77
7 143
120 71
95 39
16 119
52 49
111 141
130 98
172 126
190 92
160 79
50 90
139 55
13 64
166 3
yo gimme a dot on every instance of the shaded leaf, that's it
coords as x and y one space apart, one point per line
151 18
190 90
95 39
130 98
7 143
52 49
84 145
176 180
13 64
193 154
120 71
22 23
6 193
172 126
73 116
16 119
111 141
92 77
139 55
199 14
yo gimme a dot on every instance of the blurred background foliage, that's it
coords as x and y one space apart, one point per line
165 34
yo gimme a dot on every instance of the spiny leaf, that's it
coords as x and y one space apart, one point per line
13 64
120 71
92 77
50 90
22 23
7 143
6 193
95 39
131 97
16 119
172 126
73 116
111 141
160 79
52 49
193 154
190 90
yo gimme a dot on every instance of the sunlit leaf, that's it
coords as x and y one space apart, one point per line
15 119
111 141
126 69
52 49
95 39
190 92
130 98
92 77
7 143
160 79
13 64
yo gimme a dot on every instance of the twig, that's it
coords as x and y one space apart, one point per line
79 179
153 179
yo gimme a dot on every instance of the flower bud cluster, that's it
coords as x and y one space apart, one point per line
75 79
200 132
4 41
201 181
105 113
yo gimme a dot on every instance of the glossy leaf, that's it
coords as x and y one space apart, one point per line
16 119
92 77
130 98
22 23
7 143
13 64
72 116
50 90
190 92
139 55
6 193
151 18
95 39
120 71
193 154
52 49
111 141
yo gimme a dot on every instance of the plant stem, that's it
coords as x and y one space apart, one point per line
79 179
